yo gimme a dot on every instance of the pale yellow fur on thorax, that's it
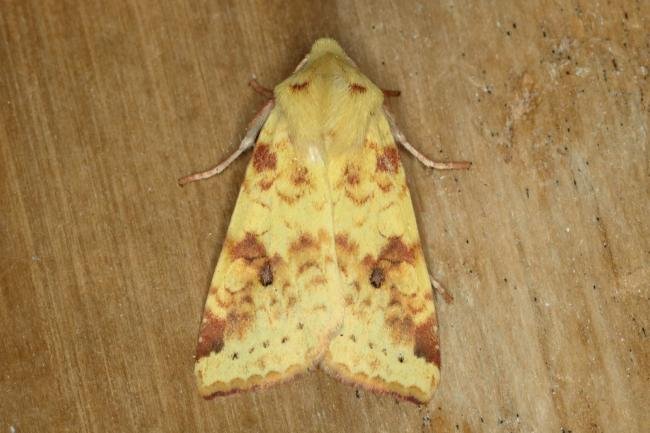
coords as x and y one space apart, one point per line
328 104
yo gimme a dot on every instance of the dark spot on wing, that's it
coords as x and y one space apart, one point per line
357 88
343 242
210 336
288 199
263 158
426 342
357 200
306 265
377 277
266 274
300 176
385 187
388 160
265 185
368 261
351 174
396 251
248 248
303 242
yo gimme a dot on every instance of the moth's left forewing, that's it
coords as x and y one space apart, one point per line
388 341
274 301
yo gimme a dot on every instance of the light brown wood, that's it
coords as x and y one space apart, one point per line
544 243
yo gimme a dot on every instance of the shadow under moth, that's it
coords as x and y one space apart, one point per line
322 263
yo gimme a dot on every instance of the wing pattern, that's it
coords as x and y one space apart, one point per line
388 341
273 302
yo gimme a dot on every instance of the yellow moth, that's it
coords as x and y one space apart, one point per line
322 263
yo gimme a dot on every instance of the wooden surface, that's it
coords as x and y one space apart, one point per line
545 243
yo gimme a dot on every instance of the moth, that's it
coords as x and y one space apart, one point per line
322 263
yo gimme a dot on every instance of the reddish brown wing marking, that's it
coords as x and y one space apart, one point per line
350 181
297 87
345 247
306 254
254 253
301 182
304 241
264 162
264 158
388 160
210 335
426 341
398 319
386 167
396 251
300 176
248 248
351 174
306 265
391 255
343 241
239 304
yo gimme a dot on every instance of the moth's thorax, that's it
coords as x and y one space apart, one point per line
327 104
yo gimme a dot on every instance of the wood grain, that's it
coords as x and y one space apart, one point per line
545 243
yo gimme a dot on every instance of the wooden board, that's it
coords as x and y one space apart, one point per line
545 243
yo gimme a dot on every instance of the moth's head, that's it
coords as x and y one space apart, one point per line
324 46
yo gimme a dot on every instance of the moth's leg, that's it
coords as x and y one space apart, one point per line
391 93
400 138
247 142
264 91
440 289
